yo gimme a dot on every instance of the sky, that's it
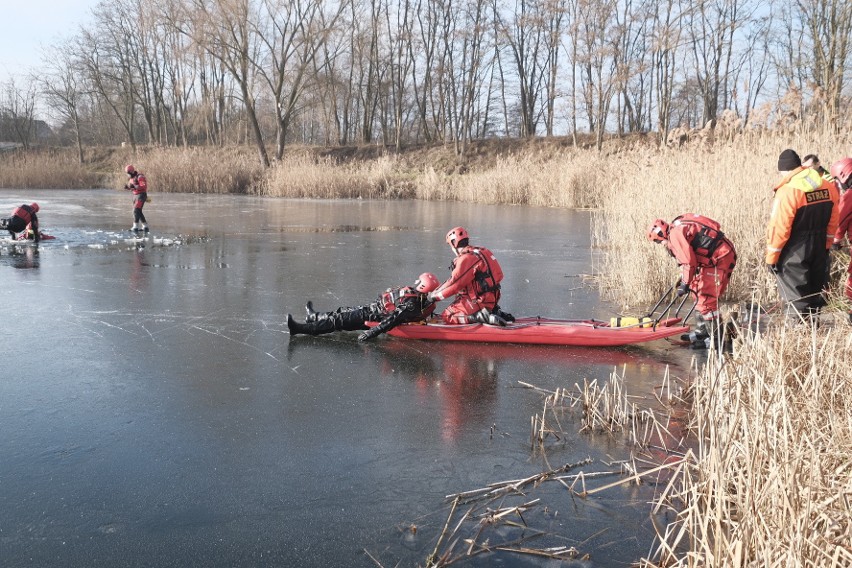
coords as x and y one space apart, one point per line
28 26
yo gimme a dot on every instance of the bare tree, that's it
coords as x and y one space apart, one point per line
17 110
827 25
599 37
225 29
290 33
524 29
62 85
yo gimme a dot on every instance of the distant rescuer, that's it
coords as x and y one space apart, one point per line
800 233
139 185
842 173
475 280
706 258
23 218
394 307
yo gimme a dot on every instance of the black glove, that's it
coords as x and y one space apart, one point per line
682 289
774 268
367 335
837 246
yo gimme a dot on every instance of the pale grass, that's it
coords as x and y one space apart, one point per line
565 181
772 481
306 176
730 182
45 169
193 170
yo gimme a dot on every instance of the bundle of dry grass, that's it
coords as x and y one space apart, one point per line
45 169
772 484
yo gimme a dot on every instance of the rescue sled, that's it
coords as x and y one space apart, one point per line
543 331
538 330
29 236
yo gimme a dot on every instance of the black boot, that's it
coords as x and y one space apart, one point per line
311 314
319 327
505 315
484 316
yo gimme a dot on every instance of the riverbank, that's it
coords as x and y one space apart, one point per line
771 421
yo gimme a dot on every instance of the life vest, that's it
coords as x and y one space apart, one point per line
393 297
489 279
24 212
708 237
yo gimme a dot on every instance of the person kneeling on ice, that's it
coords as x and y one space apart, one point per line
394 307
23 218
707 258
139 185
475 280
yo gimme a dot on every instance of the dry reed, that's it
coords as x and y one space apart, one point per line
45 169
194 170
303 175
772 480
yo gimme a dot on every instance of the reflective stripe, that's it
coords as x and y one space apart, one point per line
772 249
813 183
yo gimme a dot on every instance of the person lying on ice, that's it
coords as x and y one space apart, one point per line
475 280
394 307
706 258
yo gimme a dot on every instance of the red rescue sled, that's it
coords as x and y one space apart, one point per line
28 236
542 331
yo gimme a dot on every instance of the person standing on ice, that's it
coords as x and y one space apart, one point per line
800 234
706 258
475 280
394 307
139 186
22 218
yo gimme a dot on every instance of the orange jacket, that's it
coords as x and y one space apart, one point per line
804 204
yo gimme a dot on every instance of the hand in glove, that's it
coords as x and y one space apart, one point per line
682 289
774 268
837 246
367 335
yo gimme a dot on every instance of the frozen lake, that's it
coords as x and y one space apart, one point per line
155 411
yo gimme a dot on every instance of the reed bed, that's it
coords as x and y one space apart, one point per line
308 176
562 181
771 484
730 182
45 169
193 170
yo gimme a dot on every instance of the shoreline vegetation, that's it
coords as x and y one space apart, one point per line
770 481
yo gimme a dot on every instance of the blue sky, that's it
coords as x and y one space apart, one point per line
26 26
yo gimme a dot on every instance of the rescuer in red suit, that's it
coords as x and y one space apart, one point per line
706 258
475 281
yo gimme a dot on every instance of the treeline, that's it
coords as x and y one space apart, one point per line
272 72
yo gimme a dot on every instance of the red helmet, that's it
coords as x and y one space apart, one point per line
426 282
659 231
34 207
129 169
456 235
841 170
